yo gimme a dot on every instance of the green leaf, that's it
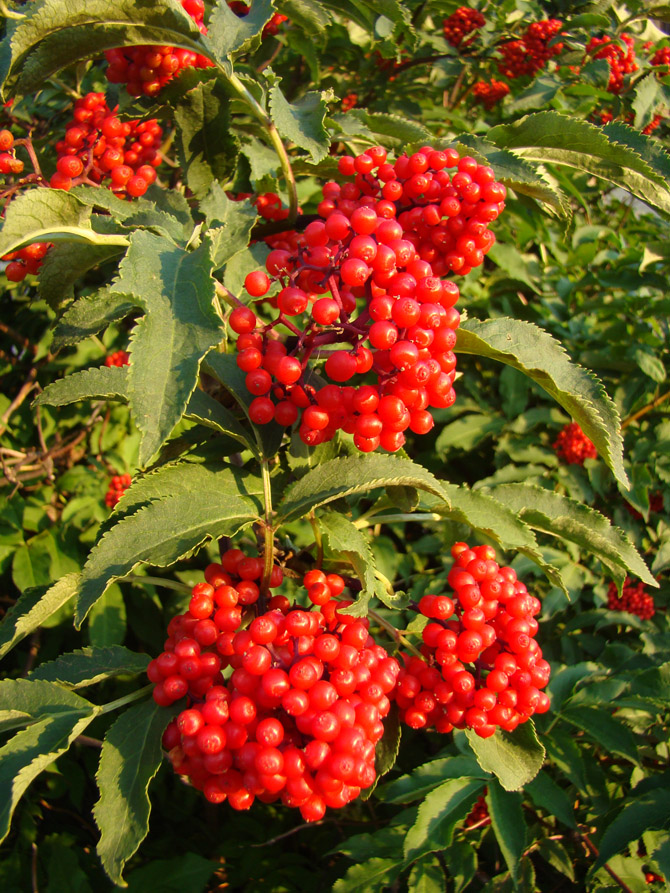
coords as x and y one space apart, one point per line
551 137
107 619
201 503
394 127
557 856
32 608
164 211
50 215
461 861
509 827
604 729
514 757
187 871
647 95
353 474
302 121
567 519
388 746
131 756
345 539
229 224
175 289
229 35
205 140
546 794
207 411
53 36
535 353
642 814
90 665
373 876
100 383
89 315
64 264
307 15
426 876
59 717
427 777
438 815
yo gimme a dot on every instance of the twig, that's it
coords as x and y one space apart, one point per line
289 833
33 868
645 409
594 850
26 388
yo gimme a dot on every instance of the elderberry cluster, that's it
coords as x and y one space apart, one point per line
98 146
118 485
461 22
633 600
488 93
300 715
145 70
573 446
365 281
531 53
118 358
25 260
621 61
481 667
479 814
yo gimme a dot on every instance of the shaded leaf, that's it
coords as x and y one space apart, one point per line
302 121
514 757
32 608
229 224
438 815
427 777
229 35
101 383
509 826
345 539
89 315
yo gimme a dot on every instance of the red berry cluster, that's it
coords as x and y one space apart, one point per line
481 666
9 163
271 28
97 146
489 93
368 273
651 877
300 715
118 358
25 260
634 599
655 122
656 504
479 815
661 57
461 22
531 53
620 61
146 69
349 101
117 487
573 446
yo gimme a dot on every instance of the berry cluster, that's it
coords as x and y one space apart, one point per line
488 93
118 358
573 446
651 877
349 101
97 146
25 260
661 57
620 61
9 163
117 487
300 715
634 599
479 815
461 22
531 53
366 275
270 29
146 69
481 666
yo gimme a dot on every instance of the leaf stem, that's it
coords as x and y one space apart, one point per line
371 520
268 529
395 634
156 581
127 699
645 409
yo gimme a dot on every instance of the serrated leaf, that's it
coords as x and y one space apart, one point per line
345 539
100 383
651 811
90 665
647 95
175 289
509 827
567 519
165 211
426 876
537 354
229 35
203 502
32 608
53 36
427 777
205 140
64 264
107 619
386 751
393 126
88 315
514 757
229 224
605 729
461 860
207 411
557 856
131 755
59 717
50 215
438 815
373 876
353 474
551 137
302 121
308 15
546 794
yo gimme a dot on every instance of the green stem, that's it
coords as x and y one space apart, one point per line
318 540
370 520
268 529
258 111
127 699
156 581
395 634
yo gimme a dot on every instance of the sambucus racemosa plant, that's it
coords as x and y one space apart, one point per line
293 287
